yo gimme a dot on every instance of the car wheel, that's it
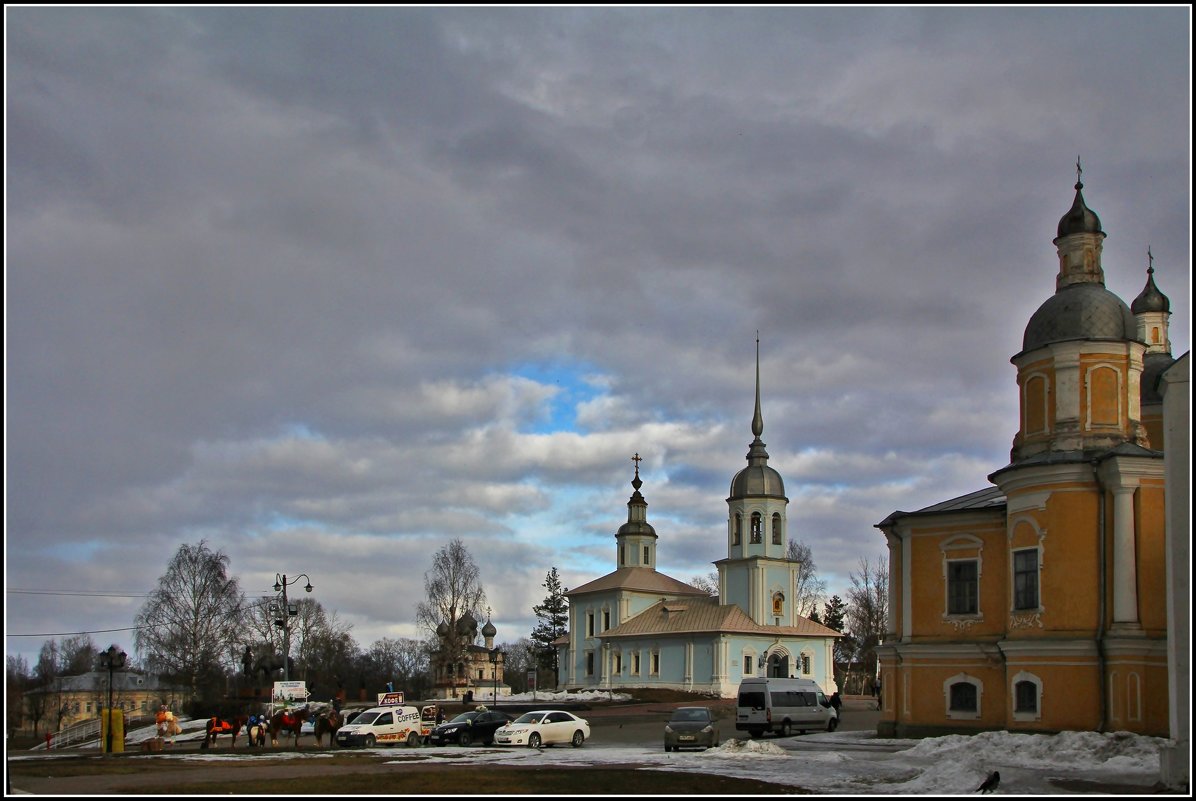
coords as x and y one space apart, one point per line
370 742
465 740
412 740
533 741
578 738
786 729
832 724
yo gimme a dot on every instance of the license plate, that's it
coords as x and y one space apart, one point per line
686 737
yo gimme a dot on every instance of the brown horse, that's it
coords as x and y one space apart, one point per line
327 723
217 725
290 720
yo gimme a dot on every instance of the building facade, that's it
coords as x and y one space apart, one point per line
637 627
477 673
67 700
1038 604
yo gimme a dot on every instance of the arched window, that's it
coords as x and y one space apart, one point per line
756 527
776 529
963 697
963 694
737 531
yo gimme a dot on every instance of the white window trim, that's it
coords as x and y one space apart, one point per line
958 714
1036 715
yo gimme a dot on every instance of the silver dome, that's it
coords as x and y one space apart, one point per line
757 480
1080 311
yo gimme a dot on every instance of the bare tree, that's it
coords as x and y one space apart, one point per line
810 590
707 583
187 628
453 600
867 611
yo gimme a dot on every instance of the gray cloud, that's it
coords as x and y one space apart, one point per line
274 276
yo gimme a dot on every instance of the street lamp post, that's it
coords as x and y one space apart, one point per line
281 584
495 661
112 660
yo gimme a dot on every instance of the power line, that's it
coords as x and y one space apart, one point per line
101 594
76 633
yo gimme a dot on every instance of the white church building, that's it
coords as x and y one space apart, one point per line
637 627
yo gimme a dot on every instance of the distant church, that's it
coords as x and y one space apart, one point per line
637 627
1040 603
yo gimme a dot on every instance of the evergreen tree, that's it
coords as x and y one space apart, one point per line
554 622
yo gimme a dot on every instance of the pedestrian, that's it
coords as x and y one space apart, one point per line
836 701
440 716
49 737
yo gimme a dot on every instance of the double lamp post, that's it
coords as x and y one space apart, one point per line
284 620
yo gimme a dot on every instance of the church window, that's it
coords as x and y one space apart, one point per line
618 662
1154 336
589 624
778 603
655 663
622 555
635 663
756 527
1025 697
647 561
481 675
589 663
963 588
776 529
737 531
805 664
747 664
605 619
963 697
1025 579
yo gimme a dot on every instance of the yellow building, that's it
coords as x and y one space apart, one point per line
1039 604
68 700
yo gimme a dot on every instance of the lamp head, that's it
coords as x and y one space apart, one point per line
277 587
308 587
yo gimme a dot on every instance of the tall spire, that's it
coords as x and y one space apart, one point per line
757 418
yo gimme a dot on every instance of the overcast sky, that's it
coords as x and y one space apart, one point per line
328 287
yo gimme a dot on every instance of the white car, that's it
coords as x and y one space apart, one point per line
545 727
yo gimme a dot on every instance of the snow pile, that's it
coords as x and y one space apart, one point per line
735 747
553 697
1080 750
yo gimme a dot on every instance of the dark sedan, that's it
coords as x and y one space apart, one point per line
691 727
469 728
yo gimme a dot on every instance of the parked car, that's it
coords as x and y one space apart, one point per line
547 727
469 728
691 727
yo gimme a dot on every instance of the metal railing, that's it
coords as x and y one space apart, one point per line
88 731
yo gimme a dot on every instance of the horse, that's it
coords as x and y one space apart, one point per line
327 723
217 725
290 720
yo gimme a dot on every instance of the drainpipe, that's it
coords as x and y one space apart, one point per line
1102 571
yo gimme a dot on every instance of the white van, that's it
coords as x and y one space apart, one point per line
381 725
783 706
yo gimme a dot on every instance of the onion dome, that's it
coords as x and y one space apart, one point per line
488 630
467 624
1079 219
1080 311
1150 299
442 630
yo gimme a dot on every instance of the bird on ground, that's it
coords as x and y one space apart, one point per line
990 783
